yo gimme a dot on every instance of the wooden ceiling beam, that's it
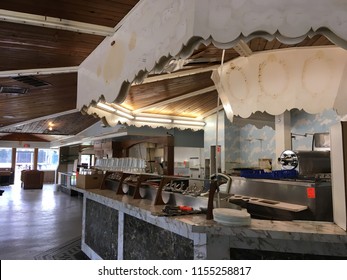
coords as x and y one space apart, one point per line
56 23
41 71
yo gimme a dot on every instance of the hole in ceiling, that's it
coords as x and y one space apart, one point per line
31 80
13 90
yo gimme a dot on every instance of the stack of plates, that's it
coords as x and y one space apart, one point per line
229 217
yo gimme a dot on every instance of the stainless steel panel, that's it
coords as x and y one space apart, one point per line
321 141
315 195
313 162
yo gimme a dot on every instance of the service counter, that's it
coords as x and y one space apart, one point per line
118 226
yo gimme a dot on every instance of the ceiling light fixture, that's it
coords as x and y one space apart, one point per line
147 119
50 126
114 110
106 107
121 108
124 114
189 122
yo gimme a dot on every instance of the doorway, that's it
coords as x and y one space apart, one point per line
24 160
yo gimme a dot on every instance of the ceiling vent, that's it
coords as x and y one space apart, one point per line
13 90
31 80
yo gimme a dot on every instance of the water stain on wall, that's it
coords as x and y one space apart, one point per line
114 62
132 41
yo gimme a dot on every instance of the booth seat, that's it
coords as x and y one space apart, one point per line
32 179
6 176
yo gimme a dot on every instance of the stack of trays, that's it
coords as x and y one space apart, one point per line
231 217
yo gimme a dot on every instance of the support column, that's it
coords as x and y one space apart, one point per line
282 135
14 158
13 165
36 156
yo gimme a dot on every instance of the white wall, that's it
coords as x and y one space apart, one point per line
210 135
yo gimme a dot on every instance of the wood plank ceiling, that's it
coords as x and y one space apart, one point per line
25 47
51 98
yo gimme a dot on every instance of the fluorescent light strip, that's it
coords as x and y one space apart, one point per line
123 114
189 122
113 110
118 107
145 119
106 107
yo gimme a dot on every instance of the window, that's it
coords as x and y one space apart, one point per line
5 157
48 159
25 158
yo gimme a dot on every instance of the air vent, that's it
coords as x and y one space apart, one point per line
13 90
31 80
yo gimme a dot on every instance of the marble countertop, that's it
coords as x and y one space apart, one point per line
192 224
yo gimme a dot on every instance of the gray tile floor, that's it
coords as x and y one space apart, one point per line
34 221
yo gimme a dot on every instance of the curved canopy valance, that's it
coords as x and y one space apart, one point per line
273 82
157 31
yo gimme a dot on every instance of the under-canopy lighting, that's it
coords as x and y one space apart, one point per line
121 108
147 119
124 114
114 110
189 122
106 107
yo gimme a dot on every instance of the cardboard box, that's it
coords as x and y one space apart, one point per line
89 181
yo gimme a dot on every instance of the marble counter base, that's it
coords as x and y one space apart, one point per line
101 229
149 242
211 240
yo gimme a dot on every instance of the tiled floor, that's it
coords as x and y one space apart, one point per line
34 221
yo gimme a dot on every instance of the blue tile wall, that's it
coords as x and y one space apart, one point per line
245 145
304 123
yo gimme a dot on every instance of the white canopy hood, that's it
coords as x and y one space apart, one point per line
304 78
156 31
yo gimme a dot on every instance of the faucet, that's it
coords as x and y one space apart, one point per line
217 180
213 189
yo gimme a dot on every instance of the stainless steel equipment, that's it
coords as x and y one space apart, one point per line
321 141
307 163
283 199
